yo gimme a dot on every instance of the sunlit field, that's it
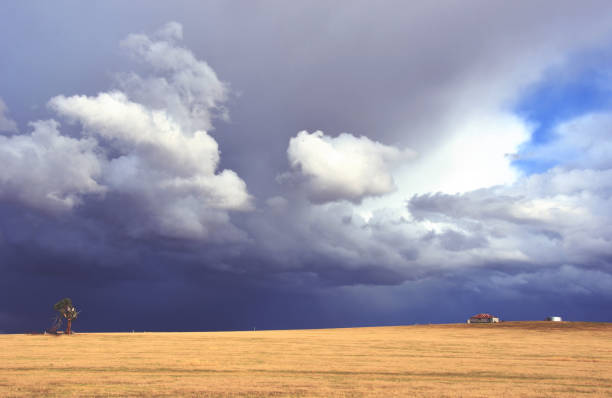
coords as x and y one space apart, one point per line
513 359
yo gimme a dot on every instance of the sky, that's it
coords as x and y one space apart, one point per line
230 165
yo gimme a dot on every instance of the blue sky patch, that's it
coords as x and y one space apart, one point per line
580 87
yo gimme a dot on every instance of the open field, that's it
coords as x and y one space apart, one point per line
514 359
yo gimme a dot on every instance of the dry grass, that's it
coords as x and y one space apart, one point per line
515 359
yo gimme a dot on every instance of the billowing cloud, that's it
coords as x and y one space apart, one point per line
188 88
343 167
6 123
47 170
158 163
154 154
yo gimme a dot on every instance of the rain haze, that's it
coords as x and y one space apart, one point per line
230 165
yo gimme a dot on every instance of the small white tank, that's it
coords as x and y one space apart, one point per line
554 319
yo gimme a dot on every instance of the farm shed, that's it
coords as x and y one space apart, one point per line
483 318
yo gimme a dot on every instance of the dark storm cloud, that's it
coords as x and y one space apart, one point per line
148 220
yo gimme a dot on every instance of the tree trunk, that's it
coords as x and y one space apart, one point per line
69 324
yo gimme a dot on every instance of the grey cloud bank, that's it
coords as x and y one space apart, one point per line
6 123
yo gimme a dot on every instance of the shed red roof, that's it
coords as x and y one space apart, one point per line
482 316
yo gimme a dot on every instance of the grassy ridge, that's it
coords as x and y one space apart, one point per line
513 359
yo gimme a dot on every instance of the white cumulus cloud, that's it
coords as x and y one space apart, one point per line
146 144
47 170
343 167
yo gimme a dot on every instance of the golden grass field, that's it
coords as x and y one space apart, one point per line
513 359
